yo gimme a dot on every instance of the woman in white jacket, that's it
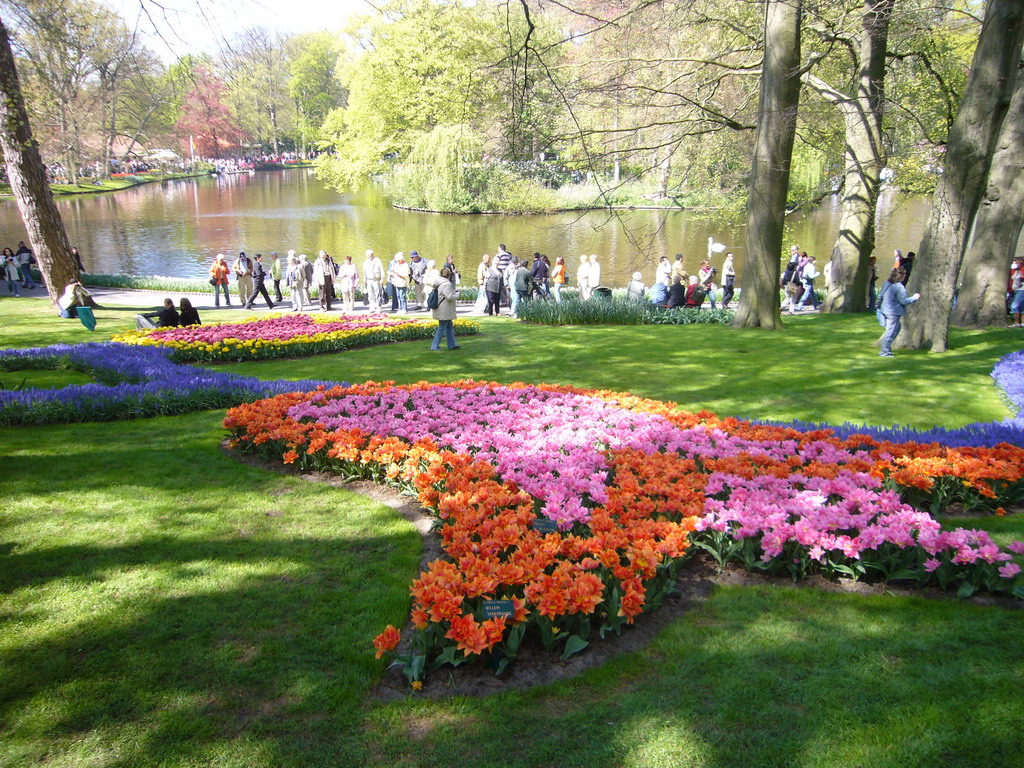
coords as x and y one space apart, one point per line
593 276
348 278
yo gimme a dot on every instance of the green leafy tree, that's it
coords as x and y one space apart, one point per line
418 67
313 83
255 64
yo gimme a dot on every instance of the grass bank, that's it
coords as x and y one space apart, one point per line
109 185
165 605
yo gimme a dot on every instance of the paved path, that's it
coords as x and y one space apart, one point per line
152 300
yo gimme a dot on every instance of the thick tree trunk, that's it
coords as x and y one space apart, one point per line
865 158
769 180
27 176
969 151
981 301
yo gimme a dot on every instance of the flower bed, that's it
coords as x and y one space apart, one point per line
285 336
617 310
132 382
567 512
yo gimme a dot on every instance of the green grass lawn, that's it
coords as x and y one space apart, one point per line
162 604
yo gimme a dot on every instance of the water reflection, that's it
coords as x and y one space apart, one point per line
175 229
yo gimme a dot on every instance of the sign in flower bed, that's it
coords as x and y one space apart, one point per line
285 336
567 512
131 382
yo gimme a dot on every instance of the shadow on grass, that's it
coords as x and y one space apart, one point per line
165 605
756 677
822 368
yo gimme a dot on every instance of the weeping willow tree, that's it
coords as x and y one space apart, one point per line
448 170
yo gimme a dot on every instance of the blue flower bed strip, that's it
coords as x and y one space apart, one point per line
138 381
133 382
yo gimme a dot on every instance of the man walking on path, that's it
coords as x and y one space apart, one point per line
259 276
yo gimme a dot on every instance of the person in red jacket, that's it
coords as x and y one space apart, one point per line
219 279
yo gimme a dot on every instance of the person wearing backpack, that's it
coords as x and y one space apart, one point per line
790 283
444 312
694 292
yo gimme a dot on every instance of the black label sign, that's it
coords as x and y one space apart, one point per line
545 525
499 609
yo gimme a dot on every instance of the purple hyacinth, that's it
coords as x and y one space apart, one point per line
131 381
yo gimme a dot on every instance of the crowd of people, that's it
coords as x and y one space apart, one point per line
503 280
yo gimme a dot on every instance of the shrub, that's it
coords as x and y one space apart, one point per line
616 311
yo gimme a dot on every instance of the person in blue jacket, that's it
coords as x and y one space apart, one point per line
893 305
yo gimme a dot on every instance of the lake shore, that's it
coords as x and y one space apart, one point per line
110 185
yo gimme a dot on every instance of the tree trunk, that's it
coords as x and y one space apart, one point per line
108 145
27 176
617 167
664 172
769 180
865 158
273 125
982 298
969 152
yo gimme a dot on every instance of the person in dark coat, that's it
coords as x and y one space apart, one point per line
540 272
188 314
676 293
259 276
167 317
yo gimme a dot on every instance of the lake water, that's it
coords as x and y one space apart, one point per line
176 228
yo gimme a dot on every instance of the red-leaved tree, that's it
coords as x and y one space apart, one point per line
206 118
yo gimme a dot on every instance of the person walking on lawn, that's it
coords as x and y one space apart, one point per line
445 311
893 305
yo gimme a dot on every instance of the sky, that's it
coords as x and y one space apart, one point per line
172 28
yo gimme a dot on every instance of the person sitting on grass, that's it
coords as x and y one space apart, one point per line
75 295
659 294
676 293
165 318
188 314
